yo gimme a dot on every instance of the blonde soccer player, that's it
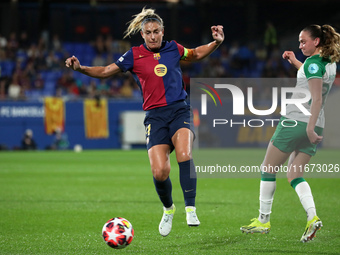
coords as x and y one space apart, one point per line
155 65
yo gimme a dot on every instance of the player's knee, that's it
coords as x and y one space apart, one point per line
161 174
161 177
183 156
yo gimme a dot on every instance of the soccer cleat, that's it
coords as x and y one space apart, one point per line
256 227
192 219
166 223
312 226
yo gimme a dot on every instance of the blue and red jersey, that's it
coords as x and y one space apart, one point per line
158 74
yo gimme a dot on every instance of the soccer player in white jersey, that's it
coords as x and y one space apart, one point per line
298 143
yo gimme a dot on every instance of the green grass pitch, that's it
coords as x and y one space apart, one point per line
57 203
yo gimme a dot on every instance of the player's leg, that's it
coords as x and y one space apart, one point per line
296 164
159 148
159 156
182 141
274 158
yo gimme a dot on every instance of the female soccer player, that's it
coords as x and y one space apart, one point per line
322 46
155 65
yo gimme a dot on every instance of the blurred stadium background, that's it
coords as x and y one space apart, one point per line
38 93
57 203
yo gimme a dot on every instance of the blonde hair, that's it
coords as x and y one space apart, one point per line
329 41
136 24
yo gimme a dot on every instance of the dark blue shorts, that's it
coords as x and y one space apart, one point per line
163 122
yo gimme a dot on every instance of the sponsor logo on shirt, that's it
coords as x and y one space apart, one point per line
121 59
160 70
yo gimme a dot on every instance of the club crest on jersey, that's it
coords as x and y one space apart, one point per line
157 56
160 70
313 68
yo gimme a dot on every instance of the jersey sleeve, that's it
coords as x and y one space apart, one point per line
181 49
186 54
314 69
125 62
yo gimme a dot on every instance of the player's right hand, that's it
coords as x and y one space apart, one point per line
73 63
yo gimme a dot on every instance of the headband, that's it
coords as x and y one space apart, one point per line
151 19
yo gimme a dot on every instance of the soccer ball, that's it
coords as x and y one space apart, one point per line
118 233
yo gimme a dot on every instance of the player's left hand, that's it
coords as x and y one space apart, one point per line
217 33
314 138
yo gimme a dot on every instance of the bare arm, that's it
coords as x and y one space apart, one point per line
315 87
93 71
205 50
290 56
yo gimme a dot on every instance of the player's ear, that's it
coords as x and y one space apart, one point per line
141 33
316 41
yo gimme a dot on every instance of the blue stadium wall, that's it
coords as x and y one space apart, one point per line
16 117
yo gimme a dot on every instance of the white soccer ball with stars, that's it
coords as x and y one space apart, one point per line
118 233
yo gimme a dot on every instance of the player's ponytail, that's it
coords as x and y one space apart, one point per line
330 47
329 41
140 19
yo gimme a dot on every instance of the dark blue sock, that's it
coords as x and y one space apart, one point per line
188 180
164 189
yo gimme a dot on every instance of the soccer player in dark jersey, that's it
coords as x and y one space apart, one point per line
155 65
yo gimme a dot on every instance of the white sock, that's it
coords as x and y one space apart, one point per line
267 190
306 198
